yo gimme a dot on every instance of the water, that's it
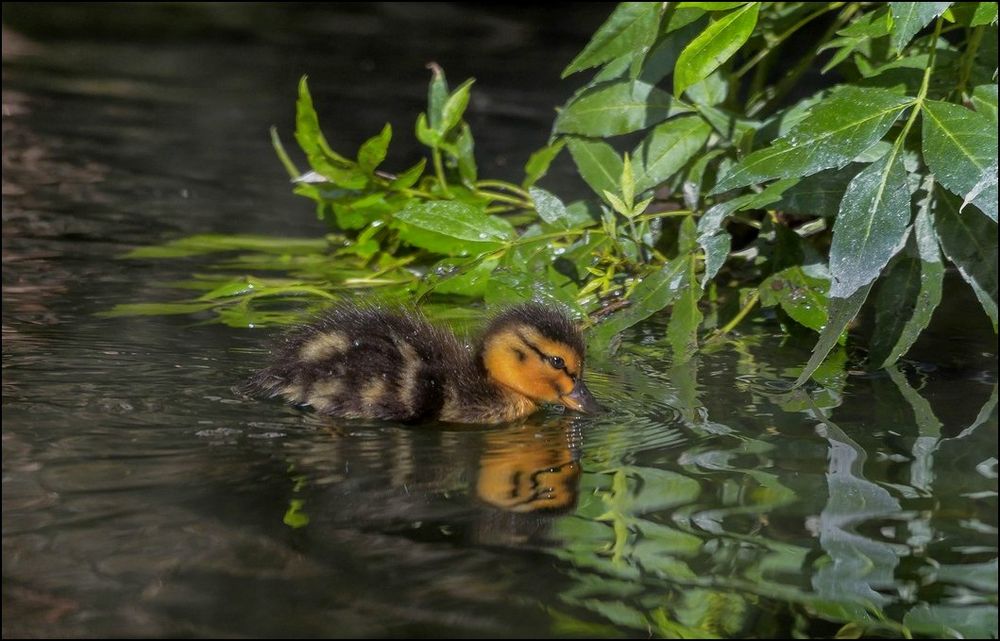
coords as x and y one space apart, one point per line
141 498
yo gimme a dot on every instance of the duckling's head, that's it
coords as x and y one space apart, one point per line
538 352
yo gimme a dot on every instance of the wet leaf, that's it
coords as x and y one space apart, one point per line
456 220
716 247
716 44
960 147
685 317
819 194
617 108
840 312
598 163
802 296
908 295
550 208
667 148
652 294
834 133
984 97
465 146
970 242
871 226
910 17
629 29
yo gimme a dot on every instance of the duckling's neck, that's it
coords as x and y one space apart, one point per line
479 398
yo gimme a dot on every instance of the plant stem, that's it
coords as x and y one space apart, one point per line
439 171
751 302
770 47
972 48
506 186
504 198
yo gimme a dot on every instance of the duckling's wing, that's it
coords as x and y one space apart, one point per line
358 362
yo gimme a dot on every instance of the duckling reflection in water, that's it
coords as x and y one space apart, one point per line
366 362
525 469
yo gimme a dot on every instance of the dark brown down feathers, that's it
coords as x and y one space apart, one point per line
367 362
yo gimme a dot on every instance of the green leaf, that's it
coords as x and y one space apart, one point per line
627 183
322 158
616 108
819 194
984 97
437 94
835 132
539 162
454 107
549 207
986 13
456 220
908 295
459 278
212 243
970 242
630 28
598 163
716 44
373 151
802 296
716 248
426 134
840 311
710 6
667 148
655 292
409 177
685 318
465 146
871 226
960 147
910 17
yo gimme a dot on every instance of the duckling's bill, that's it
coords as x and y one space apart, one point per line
580 399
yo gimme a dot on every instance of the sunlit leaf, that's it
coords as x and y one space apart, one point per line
630 28
871 226
716 44
549 207
617 108
910 17
835 132
960 147
456 220
667 148
984 97
598 163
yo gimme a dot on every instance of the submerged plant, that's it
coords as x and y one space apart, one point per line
808 157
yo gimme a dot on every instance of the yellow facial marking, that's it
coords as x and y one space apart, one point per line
323 346
521 359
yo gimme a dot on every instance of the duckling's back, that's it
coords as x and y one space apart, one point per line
365 362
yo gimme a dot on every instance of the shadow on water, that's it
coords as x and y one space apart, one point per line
141 498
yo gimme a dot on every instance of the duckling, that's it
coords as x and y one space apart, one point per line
366 362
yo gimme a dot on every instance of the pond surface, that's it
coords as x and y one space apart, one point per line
142 498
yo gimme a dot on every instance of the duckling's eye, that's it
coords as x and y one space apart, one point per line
557 362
